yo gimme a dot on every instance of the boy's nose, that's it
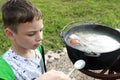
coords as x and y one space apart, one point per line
39 37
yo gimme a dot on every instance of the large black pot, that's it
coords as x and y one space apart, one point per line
105 59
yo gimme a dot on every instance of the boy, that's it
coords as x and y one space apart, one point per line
24 27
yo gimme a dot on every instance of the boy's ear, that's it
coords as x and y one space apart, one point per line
9 33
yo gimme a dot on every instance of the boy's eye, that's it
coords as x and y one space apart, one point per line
31 34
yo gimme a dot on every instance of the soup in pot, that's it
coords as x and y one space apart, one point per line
92 42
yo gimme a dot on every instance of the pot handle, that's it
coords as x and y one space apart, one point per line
71 24
68 26
93 54
62 32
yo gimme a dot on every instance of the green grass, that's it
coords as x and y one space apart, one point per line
58 13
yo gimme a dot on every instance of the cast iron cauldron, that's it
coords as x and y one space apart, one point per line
92 59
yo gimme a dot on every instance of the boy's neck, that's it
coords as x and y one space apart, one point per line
26 53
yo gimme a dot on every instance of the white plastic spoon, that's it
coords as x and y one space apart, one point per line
79 64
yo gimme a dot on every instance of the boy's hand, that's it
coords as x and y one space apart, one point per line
53 75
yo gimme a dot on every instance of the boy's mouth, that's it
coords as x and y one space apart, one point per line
36 45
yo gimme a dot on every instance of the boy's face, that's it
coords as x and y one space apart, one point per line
29 34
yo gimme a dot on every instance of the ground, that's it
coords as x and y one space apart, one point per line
64 64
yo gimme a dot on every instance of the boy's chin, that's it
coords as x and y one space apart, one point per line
34 48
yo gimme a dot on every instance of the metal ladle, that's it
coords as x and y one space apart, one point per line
79 64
